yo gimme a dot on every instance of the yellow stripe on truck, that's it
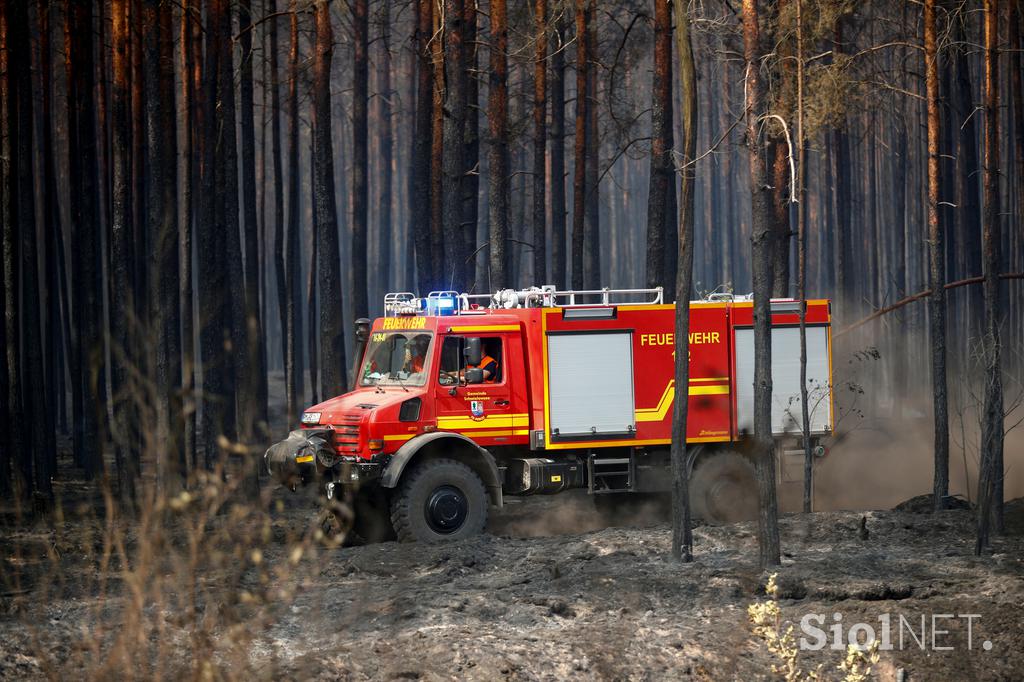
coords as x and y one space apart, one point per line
487 422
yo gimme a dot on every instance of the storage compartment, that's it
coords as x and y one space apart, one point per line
538 475
786 410
590 385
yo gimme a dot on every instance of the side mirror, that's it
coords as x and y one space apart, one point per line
473 351
474 376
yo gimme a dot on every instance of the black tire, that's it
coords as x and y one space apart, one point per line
723 488
372 509
439 501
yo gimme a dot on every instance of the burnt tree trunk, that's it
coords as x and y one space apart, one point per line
37 472
471 158
122 251
84 189
661 174
437 154
497 156
540 113
360 201
333 367
778 153
682 536
764 446
592 228
937 265
557 178
385 232
162 226
419 172
453 163
190 86
10 477
277 168
293 269
580 146
252 244
989 502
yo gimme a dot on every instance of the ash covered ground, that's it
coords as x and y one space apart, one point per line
554 592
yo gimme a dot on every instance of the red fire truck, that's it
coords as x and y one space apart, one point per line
459 400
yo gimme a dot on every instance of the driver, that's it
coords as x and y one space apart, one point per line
489 366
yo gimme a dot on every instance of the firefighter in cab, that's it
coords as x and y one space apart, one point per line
476 358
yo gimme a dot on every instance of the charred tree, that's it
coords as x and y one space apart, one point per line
277 168
252 244
778 154
360 167
580 145
419 172
661 173
540 87
8 418
162 226
937 265
83 194
991 467
498 155
592 215
191 84
453 163
557 178
385 232
761 240
292 268
471 158
122 251
35 459
682 537
333 369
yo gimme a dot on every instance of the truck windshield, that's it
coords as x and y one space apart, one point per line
396 359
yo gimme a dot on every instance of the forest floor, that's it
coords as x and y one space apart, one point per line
552 591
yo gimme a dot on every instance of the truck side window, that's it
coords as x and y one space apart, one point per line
453 360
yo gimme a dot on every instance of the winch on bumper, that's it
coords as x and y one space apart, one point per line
308 455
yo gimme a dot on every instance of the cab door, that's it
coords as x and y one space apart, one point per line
483 412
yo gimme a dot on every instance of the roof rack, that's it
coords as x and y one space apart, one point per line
455 303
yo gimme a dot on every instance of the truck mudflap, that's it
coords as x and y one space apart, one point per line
293 460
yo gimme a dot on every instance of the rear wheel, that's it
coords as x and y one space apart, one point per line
438 501
723 488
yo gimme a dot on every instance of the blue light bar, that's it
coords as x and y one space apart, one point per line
441 305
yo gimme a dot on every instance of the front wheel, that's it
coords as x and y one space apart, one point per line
438 501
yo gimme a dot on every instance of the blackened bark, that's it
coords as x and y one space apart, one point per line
360 98
277 166
162 225
764 446
965 242
333 369
471 157
778 154
84 189
252 244
540 86
8 474
937 265
313 354
419 173
22 214
122 252
54 304
385 231
437 244
557 178
682 537
661 174
498 158
292 269
453 163
592 222
191 82
580 146
989 499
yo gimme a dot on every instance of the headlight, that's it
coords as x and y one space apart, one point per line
310 417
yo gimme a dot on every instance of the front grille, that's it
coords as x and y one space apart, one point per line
346 435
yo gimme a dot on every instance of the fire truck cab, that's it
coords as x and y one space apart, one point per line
459 400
